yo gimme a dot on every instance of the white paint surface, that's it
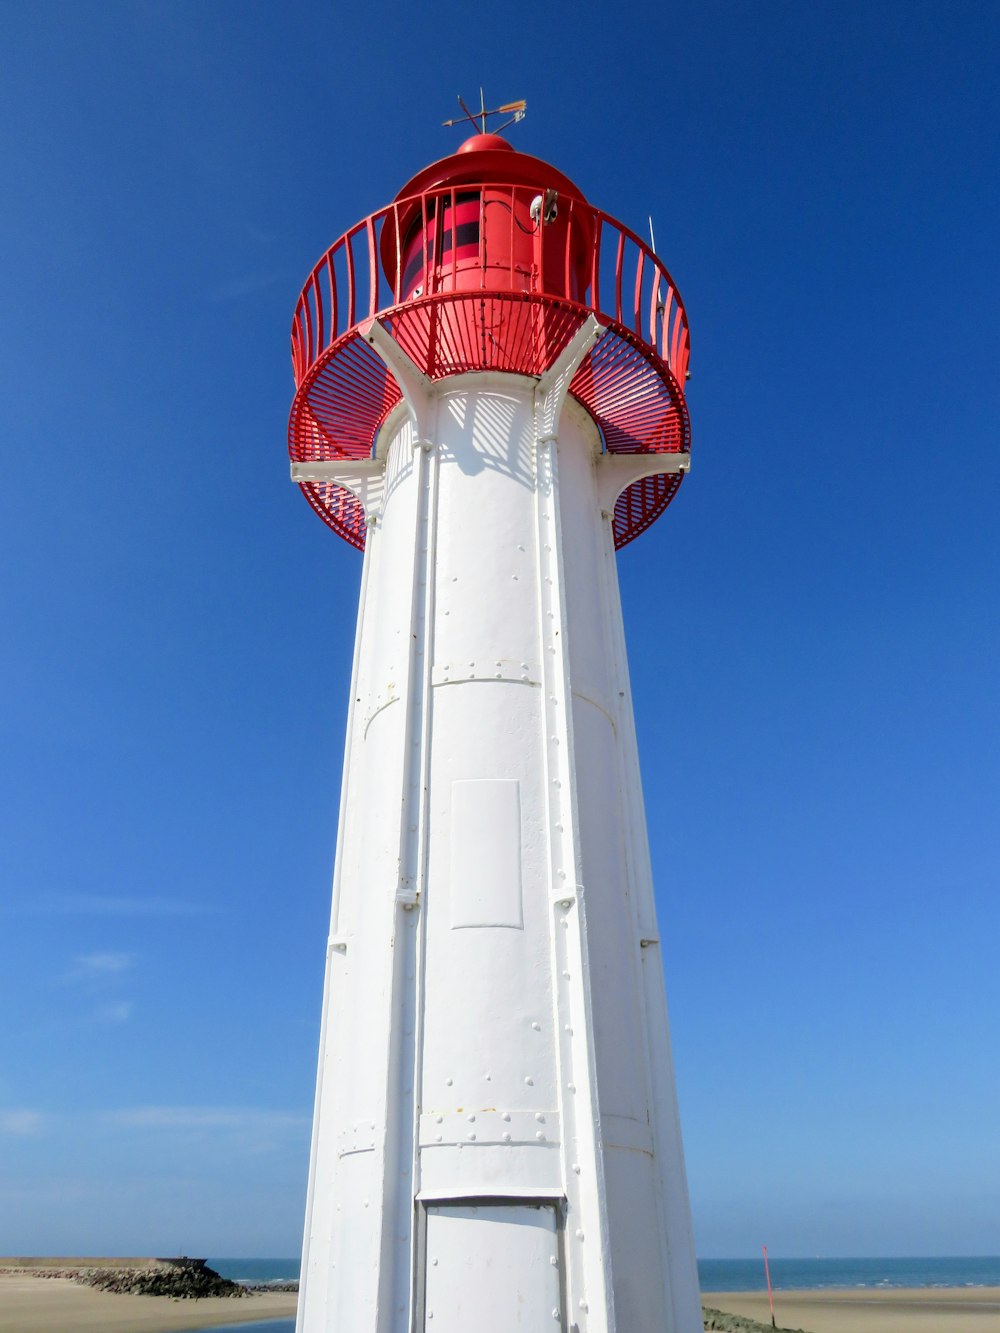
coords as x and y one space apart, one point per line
492 1268
485 878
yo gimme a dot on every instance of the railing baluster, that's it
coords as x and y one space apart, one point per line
426 247
297 368
320 324
683 356
654 305
332 277
637 299
349 257
661 343
595 264
620 259
310 349
675 338
398 286
373 266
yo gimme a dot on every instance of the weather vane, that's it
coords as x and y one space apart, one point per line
479 118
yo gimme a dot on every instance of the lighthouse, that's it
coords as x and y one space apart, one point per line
490 403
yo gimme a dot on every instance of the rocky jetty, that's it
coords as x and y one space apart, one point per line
182 1278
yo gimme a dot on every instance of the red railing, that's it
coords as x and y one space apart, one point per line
621 280
490 277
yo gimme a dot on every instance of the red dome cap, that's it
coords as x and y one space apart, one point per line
484 159
476 142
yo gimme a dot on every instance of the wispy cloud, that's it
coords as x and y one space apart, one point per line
96 976
89 904
119 1011
243 1131
239 1131
100 967
21 1123
205 1118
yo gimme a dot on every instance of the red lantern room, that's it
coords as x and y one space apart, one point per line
490 260
491 235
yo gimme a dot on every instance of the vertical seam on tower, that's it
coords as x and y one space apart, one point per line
423 821
396 1248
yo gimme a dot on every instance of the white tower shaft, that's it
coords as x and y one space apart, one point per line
496 1142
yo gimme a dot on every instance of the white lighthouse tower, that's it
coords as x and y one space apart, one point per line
489 402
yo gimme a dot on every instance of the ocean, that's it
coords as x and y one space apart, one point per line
814 1274
735 1274
255 1326
256 1270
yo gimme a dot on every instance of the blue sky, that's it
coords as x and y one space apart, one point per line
812 626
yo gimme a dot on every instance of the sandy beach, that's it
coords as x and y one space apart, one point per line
869 1310
59 1305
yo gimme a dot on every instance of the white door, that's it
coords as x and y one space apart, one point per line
492 1268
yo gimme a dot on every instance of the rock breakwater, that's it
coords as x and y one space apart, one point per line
182 1278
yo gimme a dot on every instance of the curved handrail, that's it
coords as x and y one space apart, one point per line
349 285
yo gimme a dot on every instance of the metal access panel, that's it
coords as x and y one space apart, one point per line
492 1268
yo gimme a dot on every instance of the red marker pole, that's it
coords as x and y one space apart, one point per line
770 1293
